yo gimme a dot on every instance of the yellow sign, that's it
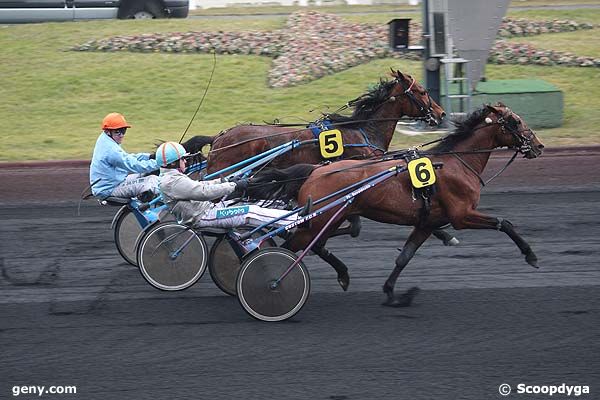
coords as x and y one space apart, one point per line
421 172
331 143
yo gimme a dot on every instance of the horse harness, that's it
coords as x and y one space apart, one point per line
423 193
507 125
427 112
324 125
522 143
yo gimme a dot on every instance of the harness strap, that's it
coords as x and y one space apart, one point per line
504 168
470 168
367 142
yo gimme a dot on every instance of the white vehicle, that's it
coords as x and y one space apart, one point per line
17 11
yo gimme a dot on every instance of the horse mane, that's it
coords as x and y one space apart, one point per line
365 105
196 143
463 129
279 184
192 145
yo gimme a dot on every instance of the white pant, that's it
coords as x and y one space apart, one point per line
136 184
216 217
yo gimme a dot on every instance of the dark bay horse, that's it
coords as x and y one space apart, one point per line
464 155
368 130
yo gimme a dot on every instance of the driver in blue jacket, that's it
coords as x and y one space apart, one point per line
113 171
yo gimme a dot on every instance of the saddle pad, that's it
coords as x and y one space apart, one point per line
317 129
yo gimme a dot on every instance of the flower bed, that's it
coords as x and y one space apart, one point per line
517 53
313 45
522 27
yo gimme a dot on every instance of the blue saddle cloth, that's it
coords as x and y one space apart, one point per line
316 130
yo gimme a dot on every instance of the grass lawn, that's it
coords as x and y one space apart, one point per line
570 42
55 99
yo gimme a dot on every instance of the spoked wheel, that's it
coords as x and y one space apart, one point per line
224 264
258 292
127 230
172 257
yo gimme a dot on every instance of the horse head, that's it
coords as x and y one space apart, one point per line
513 131
419 102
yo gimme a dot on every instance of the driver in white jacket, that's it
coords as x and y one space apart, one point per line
191 201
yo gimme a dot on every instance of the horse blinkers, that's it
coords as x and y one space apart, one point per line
521 141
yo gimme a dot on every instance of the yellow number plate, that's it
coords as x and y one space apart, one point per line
331 143
421 172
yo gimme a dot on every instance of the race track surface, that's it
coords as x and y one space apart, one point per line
73 313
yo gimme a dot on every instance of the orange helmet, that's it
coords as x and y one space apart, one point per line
114 121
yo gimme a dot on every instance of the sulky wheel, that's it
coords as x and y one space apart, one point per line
224 264
126 231
256 288
172 256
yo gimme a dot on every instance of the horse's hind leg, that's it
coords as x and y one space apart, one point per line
353 229
302 237
417 237
476 220
445 237
337 264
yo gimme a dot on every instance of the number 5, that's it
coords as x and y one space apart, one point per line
331 144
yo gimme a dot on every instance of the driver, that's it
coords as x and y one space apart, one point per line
191 201
113 171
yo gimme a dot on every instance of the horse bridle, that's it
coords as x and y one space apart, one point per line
427 112
522 143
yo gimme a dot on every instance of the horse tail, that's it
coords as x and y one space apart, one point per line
279 184
196 143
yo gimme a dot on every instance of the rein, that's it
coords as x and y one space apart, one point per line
203 96
296 131
483 183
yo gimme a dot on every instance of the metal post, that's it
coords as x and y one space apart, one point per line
431 65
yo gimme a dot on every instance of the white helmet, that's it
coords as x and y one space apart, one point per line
169 152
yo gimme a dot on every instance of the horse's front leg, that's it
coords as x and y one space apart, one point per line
477 220
445 237
417 237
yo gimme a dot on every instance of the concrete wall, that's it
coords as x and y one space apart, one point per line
538 102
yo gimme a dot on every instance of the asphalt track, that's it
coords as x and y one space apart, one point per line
72 313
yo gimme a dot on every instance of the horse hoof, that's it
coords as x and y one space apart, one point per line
452 242
398 302
531 260
404 300
344 281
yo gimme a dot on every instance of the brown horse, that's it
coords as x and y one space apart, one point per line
464 155
368 131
